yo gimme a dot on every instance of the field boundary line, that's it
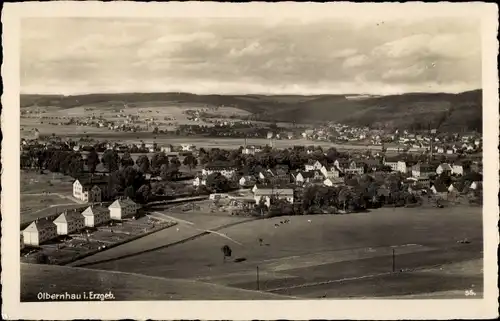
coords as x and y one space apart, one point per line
164 246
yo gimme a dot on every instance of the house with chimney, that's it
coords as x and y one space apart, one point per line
39 231
69 222
95 215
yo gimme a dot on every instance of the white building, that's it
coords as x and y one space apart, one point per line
458 169
166 149
225 170
187 147
92 190
39 231
265 194
199 181
122 208
311 166
251 150
333 181
69 222
95 216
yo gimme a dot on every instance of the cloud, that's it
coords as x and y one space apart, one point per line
248 55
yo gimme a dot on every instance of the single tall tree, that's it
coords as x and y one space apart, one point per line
92 161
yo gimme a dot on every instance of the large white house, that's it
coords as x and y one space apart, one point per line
39 231
69 222
94 216
91 190
265 194
122 208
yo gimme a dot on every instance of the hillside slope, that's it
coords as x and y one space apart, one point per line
37 278
454 112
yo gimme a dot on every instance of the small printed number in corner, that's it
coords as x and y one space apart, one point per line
470 293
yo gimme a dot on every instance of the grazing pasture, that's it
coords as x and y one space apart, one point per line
124 286
354 248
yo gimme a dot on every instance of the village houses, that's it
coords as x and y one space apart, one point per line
39 231
313 165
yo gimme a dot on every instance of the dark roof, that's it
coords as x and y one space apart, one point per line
440 187
90 182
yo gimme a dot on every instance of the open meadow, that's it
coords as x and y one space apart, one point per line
36 278
348 250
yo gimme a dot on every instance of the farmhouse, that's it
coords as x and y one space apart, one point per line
90 190
94 216
122 208
39 232
69 222
224 169
265 195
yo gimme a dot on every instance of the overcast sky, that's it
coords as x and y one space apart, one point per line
249 55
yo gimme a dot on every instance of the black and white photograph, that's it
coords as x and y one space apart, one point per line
243 152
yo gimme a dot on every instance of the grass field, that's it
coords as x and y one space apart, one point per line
124 286
349 251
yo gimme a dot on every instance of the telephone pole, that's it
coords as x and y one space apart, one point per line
258 283
393 260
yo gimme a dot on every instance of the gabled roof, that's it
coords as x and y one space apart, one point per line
67 217
40 224
121 203
440 187
91 181
445 166
91 211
